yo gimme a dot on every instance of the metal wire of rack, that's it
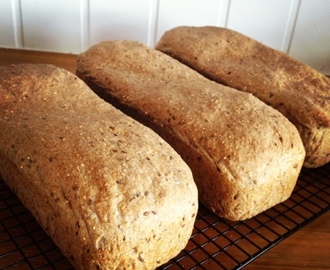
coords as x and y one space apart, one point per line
215 243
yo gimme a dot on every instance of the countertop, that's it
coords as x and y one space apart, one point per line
309 248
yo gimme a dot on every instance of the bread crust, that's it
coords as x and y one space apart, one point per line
299 92
245 156
110 192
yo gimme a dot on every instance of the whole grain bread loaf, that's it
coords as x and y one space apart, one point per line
245 155
110 192
299 92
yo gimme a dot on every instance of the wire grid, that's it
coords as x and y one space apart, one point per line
215 243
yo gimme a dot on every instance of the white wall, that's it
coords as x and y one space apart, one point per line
298 27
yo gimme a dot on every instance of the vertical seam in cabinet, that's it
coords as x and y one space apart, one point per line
17 22
153 22
84 25
223 13
290 26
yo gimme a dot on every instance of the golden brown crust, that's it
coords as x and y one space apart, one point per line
109 191
245 156
299 92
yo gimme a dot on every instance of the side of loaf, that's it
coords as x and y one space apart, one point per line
245 156
110 192
299 92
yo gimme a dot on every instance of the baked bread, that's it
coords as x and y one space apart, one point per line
245 156
299 92
110 192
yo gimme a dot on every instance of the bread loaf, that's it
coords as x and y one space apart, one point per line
299 92
110 192
245 156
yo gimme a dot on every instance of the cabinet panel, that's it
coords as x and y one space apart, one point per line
7 24
51 25
311 39
265 21
124 19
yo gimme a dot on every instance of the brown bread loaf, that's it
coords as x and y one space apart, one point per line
245 155
299 92
110 192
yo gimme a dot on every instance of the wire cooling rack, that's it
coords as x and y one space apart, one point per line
214 244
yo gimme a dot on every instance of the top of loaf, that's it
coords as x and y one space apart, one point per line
234 59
